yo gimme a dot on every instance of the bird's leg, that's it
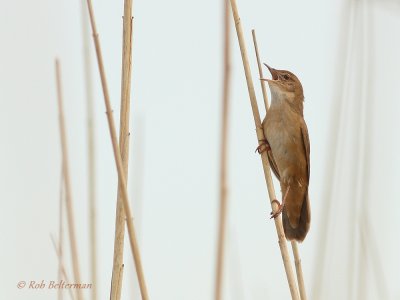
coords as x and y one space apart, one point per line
264 146
280 206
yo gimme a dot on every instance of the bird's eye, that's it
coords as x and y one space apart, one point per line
286 76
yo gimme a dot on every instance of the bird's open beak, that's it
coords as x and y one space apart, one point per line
274 73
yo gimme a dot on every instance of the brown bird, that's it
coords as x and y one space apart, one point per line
288 148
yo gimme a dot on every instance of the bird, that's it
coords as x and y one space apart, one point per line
288 147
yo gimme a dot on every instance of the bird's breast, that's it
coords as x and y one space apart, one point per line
282 130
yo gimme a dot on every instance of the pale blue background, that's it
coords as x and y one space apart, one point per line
176 91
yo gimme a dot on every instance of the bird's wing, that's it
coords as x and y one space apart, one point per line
306 144
273 165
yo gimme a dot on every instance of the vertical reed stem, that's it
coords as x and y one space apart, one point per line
91 153
60 235
61 265
67 182
260 136
299 270
117 272
337 128
260 72
223 158
118 161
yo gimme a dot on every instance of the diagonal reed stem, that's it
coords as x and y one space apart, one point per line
117 272
118 160
296 254
223 192
260 136
67 181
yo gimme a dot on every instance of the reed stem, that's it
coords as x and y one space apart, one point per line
260 136
60 253
223 192
67 182
118 160
299 270
91 153
117 272
61 265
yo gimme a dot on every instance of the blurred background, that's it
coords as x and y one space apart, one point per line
346 56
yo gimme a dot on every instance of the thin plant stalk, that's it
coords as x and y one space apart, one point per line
223 192
67 182
137 190
370 246
260 136
61 264
60 235
336 132
118 160
295 250
363 156
117 272
91 153
260 71
299 270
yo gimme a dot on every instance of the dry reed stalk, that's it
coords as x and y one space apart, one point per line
90 152
260 72
67 182
370 246
346 42
299 271
260 136
61 264
223 158
118 160
296 254
60 235
117 272
137 192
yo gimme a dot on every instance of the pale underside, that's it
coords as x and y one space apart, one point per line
286 133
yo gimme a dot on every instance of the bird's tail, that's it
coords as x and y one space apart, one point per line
300 232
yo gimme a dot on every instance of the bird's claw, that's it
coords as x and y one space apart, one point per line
278 211
264 146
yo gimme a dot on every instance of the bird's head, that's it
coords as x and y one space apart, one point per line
285 86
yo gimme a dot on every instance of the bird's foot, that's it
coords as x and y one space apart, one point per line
278 211
264 146
280 206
